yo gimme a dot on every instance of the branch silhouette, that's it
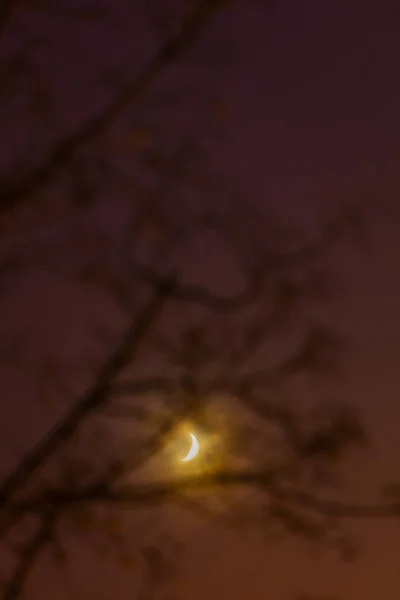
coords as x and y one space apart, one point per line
134 496
95 397
6 10
192 26
27 558
102 389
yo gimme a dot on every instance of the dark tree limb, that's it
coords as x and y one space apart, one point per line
27 558
190 29
154 445
145 386
154 493
6 10
199 295
96 396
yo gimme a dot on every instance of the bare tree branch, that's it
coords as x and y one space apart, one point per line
6 9
154 493
27 559
258 276
192 400
200 295
350 510
95 397
190 29
143 386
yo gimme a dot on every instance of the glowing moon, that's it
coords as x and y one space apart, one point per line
194 449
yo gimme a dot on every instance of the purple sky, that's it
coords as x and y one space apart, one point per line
318 116
316 102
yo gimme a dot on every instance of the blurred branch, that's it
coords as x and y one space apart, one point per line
192 26
192 400
274 414
154 493
96 396
200 295
332 508
316 351
6 10
335 230
149 384
26 559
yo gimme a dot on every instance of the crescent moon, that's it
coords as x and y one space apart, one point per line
194 449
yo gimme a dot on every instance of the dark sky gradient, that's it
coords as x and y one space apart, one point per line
319 123
316 121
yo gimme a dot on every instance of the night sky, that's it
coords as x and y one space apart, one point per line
314 107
